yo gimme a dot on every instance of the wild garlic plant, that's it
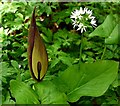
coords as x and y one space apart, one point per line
82 19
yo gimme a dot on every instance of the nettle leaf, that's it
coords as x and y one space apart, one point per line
23 94
49 94
109 30
88 79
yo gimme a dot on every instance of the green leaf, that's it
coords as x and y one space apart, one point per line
4 66
6 69
66 60
6 99
54 62
16 44
48 10
49 94
24 54
109 30
15 64
48 34
90 79
114 37
23 94
104 29
0 92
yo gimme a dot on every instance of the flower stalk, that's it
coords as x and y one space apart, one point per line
81 48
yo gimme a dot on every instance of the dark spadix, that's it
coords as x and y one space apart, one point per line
37 55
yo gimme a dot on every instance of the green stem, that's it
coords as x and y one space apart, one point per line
103 52
81 47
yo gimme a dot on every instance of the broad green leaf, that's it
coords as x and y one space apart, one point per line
23 94
108 29
90 79
104 29
114 37
49 93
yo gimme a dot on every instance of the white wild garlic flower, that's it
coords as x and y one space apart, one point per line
82 18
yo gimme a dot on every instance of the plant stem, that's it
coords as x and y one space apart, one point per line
81 47
103 52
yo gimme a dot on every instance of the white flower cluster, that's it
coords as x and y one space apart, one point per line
82 18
